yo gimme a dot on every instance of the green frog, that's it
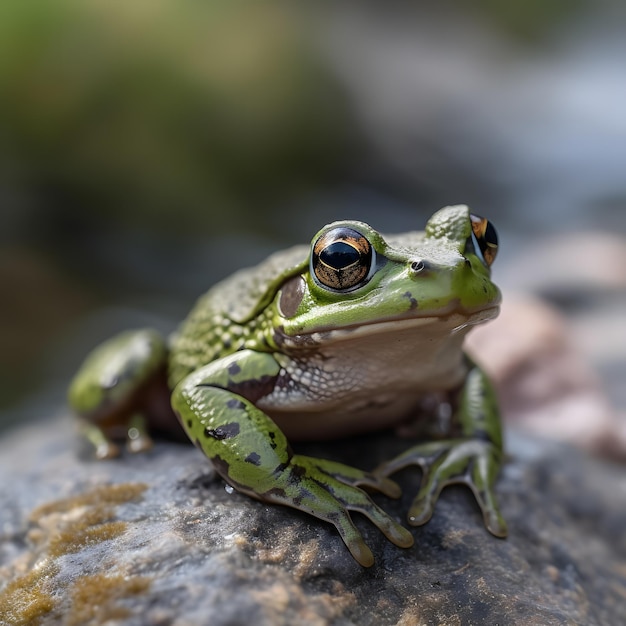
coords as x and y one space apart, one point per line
341 337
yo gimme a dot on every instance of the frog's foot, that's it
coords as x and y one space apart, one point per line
329 491
471 462
103 447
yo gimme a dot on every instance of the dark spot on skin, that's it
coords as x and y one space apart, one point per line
290 296
303 493
328 487
480 434
299 471
277 492
279 335
189 423
255 388
234 369
409 296
235 403
279 469
333 517
253 458
272 436
222 467
296 474
223 432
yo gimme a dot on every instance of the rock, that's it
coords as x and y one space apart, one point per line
156 539
545 382
558 351
570 267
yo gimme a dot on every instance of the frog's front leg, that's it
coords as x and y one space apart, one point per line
108 393
215 405
473 459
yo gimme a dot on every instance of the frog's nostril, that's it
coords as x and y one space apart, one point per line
417 266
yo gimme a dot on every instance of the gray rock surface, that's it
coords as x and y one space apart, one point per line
155 539
547 385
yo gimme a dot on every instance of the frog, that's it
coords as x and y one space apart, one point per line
340 338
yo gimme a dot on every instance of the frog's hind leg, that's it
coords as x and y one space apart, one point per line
108 394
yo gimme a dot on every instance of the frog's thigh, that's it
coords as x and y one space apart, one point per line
104 391
214 406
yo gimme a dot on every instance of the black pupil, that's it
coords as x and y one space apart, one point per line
491 236
339 255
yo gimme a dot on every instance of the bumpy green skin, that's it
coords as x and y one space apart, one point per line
274 344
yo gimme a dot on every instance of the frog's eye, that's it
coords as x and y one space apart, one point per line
341 258
484 239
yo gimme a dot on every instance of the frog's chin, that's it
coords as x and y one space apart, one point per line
451 322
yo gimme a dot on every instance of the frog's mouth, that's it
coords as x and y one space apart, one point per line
451 320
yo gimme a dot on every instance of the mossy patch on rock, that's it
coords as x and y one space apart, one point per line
25 600
96 599
64 527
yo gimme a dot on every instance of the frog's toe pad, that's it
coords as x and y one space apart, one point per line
495 524
361 553
420 512
139 444
400 536
106 450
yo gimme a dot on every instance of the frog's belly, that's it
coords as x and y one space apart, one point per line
311 423
355 387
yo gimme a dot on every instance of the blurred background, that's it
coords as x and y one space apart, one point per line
149 148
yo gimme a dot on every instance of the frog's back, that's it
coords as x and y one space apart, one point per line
234 314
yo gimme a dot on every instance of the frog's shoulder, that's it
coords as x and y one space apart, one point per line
245 293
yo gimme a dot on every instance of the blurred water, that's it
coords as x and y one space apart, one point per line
536 135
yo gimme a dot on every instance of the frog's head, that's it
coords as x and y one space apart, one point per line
358 279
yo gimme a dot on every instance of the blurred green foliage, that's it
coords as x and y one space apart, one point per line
152 117
163 109
528 21
125 122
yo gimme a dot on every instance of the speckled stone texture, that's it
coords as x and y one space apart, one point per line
156 539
